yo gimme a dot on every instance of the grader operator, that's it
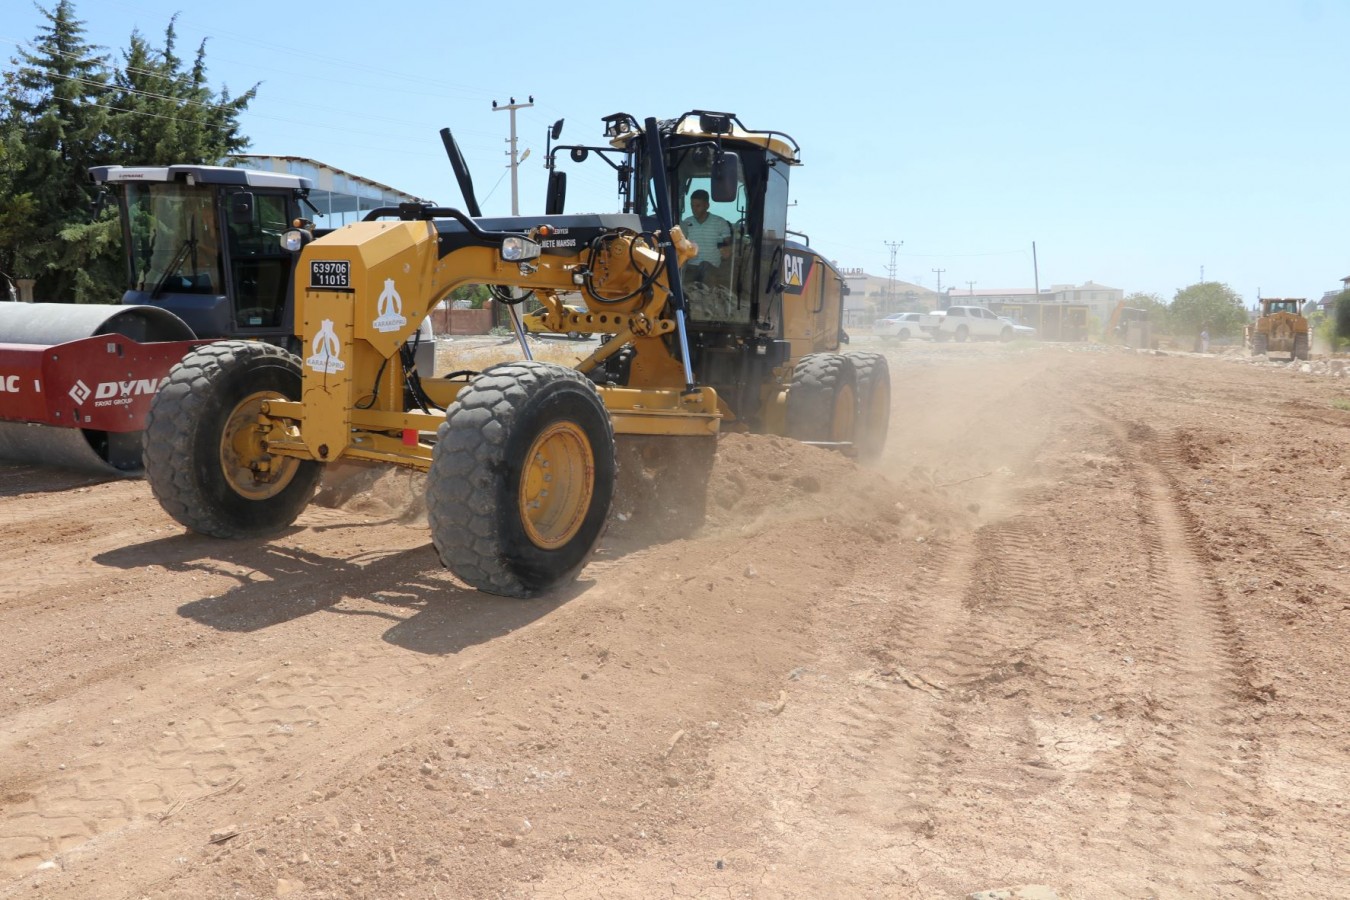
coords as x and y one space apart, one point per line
521 456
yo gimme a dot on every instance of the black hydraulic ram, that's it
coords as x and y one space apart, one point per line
656 152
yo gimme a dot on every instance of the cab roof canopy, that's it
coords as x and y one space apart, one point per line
622 128
194 174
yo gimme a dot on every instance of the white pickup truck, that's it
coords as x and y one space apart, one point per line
973 323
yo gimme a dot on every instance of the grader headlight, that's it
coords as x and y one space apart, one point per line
519 249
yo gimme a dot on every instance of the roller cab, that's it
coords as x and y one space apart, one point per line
203 262
203 242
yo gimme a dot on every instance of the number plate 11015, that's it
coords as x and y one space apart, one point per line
330 275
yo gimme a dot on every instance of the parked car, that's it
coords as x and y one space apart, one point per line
1020 330
905 325
973 323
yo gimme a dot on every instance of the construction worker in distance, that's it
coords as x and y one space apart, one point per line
712 234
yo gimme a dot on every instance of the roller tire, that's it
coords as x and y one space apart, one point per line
873 376
822 400
188 431
962 334
480 469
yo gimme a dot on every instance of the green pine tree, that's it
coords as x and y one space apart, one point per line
64 108
167 114
54 127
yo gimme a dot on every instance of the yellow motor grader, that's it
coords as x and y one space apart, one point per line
520 457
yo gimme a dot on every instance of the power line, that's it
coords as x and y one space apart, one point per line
113 88
210 31
182 102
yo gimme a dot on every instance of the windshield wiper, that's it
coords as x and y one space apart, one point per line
174 265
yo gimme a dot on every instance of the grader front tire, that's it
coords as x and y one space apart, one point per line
205 458
521 479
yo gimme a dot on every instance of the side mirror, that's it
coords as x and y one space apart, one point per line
557 193
726 177
241 208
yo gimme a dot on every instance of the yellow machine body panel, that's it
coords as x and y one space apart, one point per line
812 303
1281 327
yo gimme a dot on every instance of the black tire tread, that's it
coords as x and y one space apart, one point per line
471 451
811 394
174 438
872 371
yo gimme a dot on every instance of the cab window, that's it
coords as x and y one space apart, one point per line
716 280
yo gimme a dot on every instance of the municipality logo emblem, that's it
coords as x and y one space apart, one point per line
325 350
390 307
80 392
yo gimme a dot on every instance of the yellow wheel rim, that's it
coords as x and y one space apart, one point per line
556 485
845 412
250 470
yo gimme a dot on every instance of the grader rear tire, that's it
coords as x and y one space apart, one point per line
873 375
521 479
822 400
204 455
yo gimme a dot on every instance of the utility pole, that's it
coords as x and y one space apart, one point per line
1035 270
514 164
971 285
939 275
890 275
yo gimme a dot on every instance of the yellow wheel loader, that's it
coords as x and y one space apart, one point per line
1280 328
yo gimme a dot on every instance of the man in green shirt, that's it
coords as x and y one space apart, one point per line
712 234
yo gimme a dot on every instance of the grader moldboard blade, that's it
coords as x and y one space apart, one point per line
76 382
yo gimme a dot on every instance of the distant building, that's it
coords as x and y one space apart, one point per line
873 296
340 197
1328 300
1062 312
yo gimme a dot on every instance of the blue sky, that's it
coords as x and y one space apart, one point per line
1136 144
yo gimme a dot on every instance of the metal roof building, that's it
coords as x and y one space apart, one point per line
340 196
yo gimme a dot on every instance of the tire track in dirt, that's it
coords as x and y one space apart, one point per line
281 718
1200 739
902 728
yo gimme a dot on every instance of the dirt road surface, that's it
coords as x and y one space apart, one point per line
1084 628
